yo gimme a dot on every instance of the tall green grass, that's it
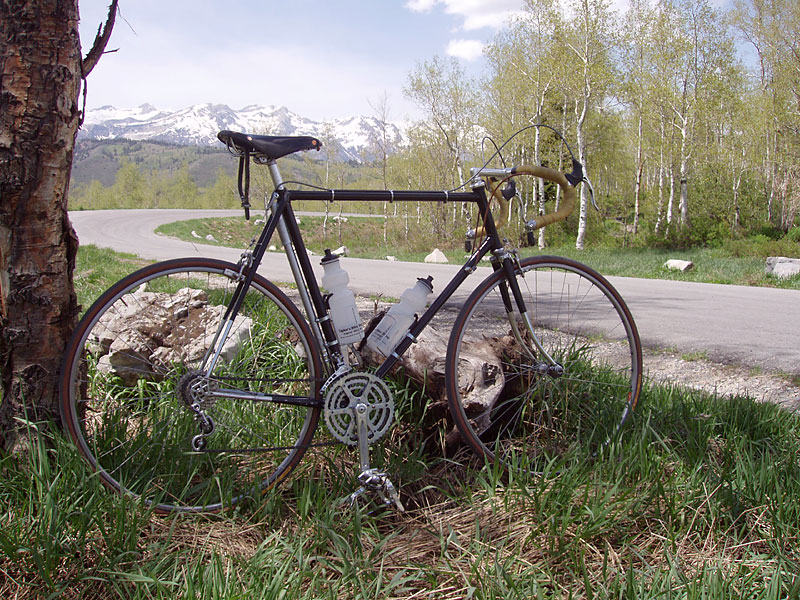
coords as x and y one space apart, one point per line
97 269
697 499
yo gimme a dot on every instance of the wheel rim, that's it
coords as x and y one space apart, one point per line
129 418
542 414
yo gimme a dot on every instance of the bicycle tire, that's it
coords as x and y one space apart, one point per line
539 415
122 402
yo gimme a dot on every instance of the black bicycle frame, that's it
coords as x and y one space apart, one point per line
281 208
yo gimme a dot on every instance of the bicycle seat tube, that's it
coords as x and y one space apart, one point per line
294 265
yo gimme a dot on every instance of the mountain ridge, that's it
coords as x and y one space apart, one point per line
356 138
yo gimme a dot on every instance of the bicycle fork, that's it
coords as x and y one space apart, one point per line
548 365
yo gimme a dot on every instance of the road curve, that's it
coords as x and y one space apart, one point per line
731 324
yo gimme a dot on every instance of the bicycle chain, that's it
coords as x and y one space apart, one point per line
267 448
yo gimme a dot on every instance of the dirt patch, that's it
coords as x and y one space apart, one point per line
725 380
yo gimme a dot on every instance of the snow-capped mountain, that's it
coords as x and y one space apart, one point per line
351 139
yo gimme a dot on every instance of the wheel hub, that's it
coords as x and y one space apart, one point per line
193 388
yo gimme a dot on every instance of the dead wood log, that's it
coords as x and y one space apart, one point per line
481 379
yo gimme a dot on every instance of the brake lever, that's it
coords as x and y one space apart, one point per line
510 190
578 176
591 192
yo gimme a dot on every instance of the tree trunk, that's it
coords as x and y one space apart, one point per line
637 193
584 201
660 207
539 183
684 188
39 113
671 201
40 80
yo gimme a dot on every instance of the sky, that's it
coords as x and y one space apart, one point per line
322 59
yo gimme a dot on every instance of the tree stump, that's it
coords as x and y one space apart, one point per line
481 377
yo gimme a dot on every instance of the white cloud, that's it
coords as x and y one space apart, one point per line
466 49
420 5
476 14
486 16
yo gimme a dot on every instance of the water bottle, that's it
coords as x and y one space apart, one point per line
395 323
342 302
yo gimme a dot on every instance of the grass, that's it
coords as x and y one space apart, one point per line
697 499
97 269
733 263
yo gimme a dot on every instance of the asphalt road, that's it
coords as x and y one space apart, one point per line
731 324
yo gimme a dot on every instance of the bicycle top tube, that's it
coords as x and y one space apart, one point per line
383 196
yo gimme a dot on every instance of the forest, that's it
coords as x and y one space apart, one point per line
686 118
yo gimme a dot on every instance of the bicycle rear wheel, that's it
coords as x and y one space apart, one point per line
521 409
136 401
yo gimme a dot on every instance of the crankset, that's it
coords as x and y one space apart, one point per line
359 410
355 396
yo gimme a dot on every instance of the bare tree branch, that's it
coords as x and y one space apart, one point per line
100 41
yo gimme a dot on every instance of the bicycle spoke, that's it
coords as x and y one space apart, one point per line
544 409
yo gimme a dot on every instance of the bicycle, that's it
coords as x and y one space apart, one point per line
196 383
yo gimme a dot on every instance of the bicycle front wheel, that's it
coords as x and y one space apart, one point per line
137 400
570 380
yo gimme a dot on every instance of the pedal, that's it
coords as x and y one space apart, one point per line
376 483
393 497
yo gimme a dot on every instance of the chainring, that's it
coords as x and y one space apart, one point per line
341 399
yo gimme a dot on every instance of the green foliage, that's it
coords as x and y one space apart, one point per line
793 235
97 269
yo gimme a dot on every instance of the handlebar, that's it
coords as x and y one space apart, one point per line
567 183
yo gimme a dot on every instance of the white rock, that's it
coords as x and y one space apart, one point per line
783 267
158 329
297 220
437 256
338 218
341 251
196 235
391 258
211 238
272 248
679 265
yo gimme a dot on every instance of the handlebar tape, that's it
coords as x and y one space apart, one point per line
567 204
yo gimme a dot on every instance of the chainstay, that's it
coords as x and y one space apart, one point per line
267 449
272 381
